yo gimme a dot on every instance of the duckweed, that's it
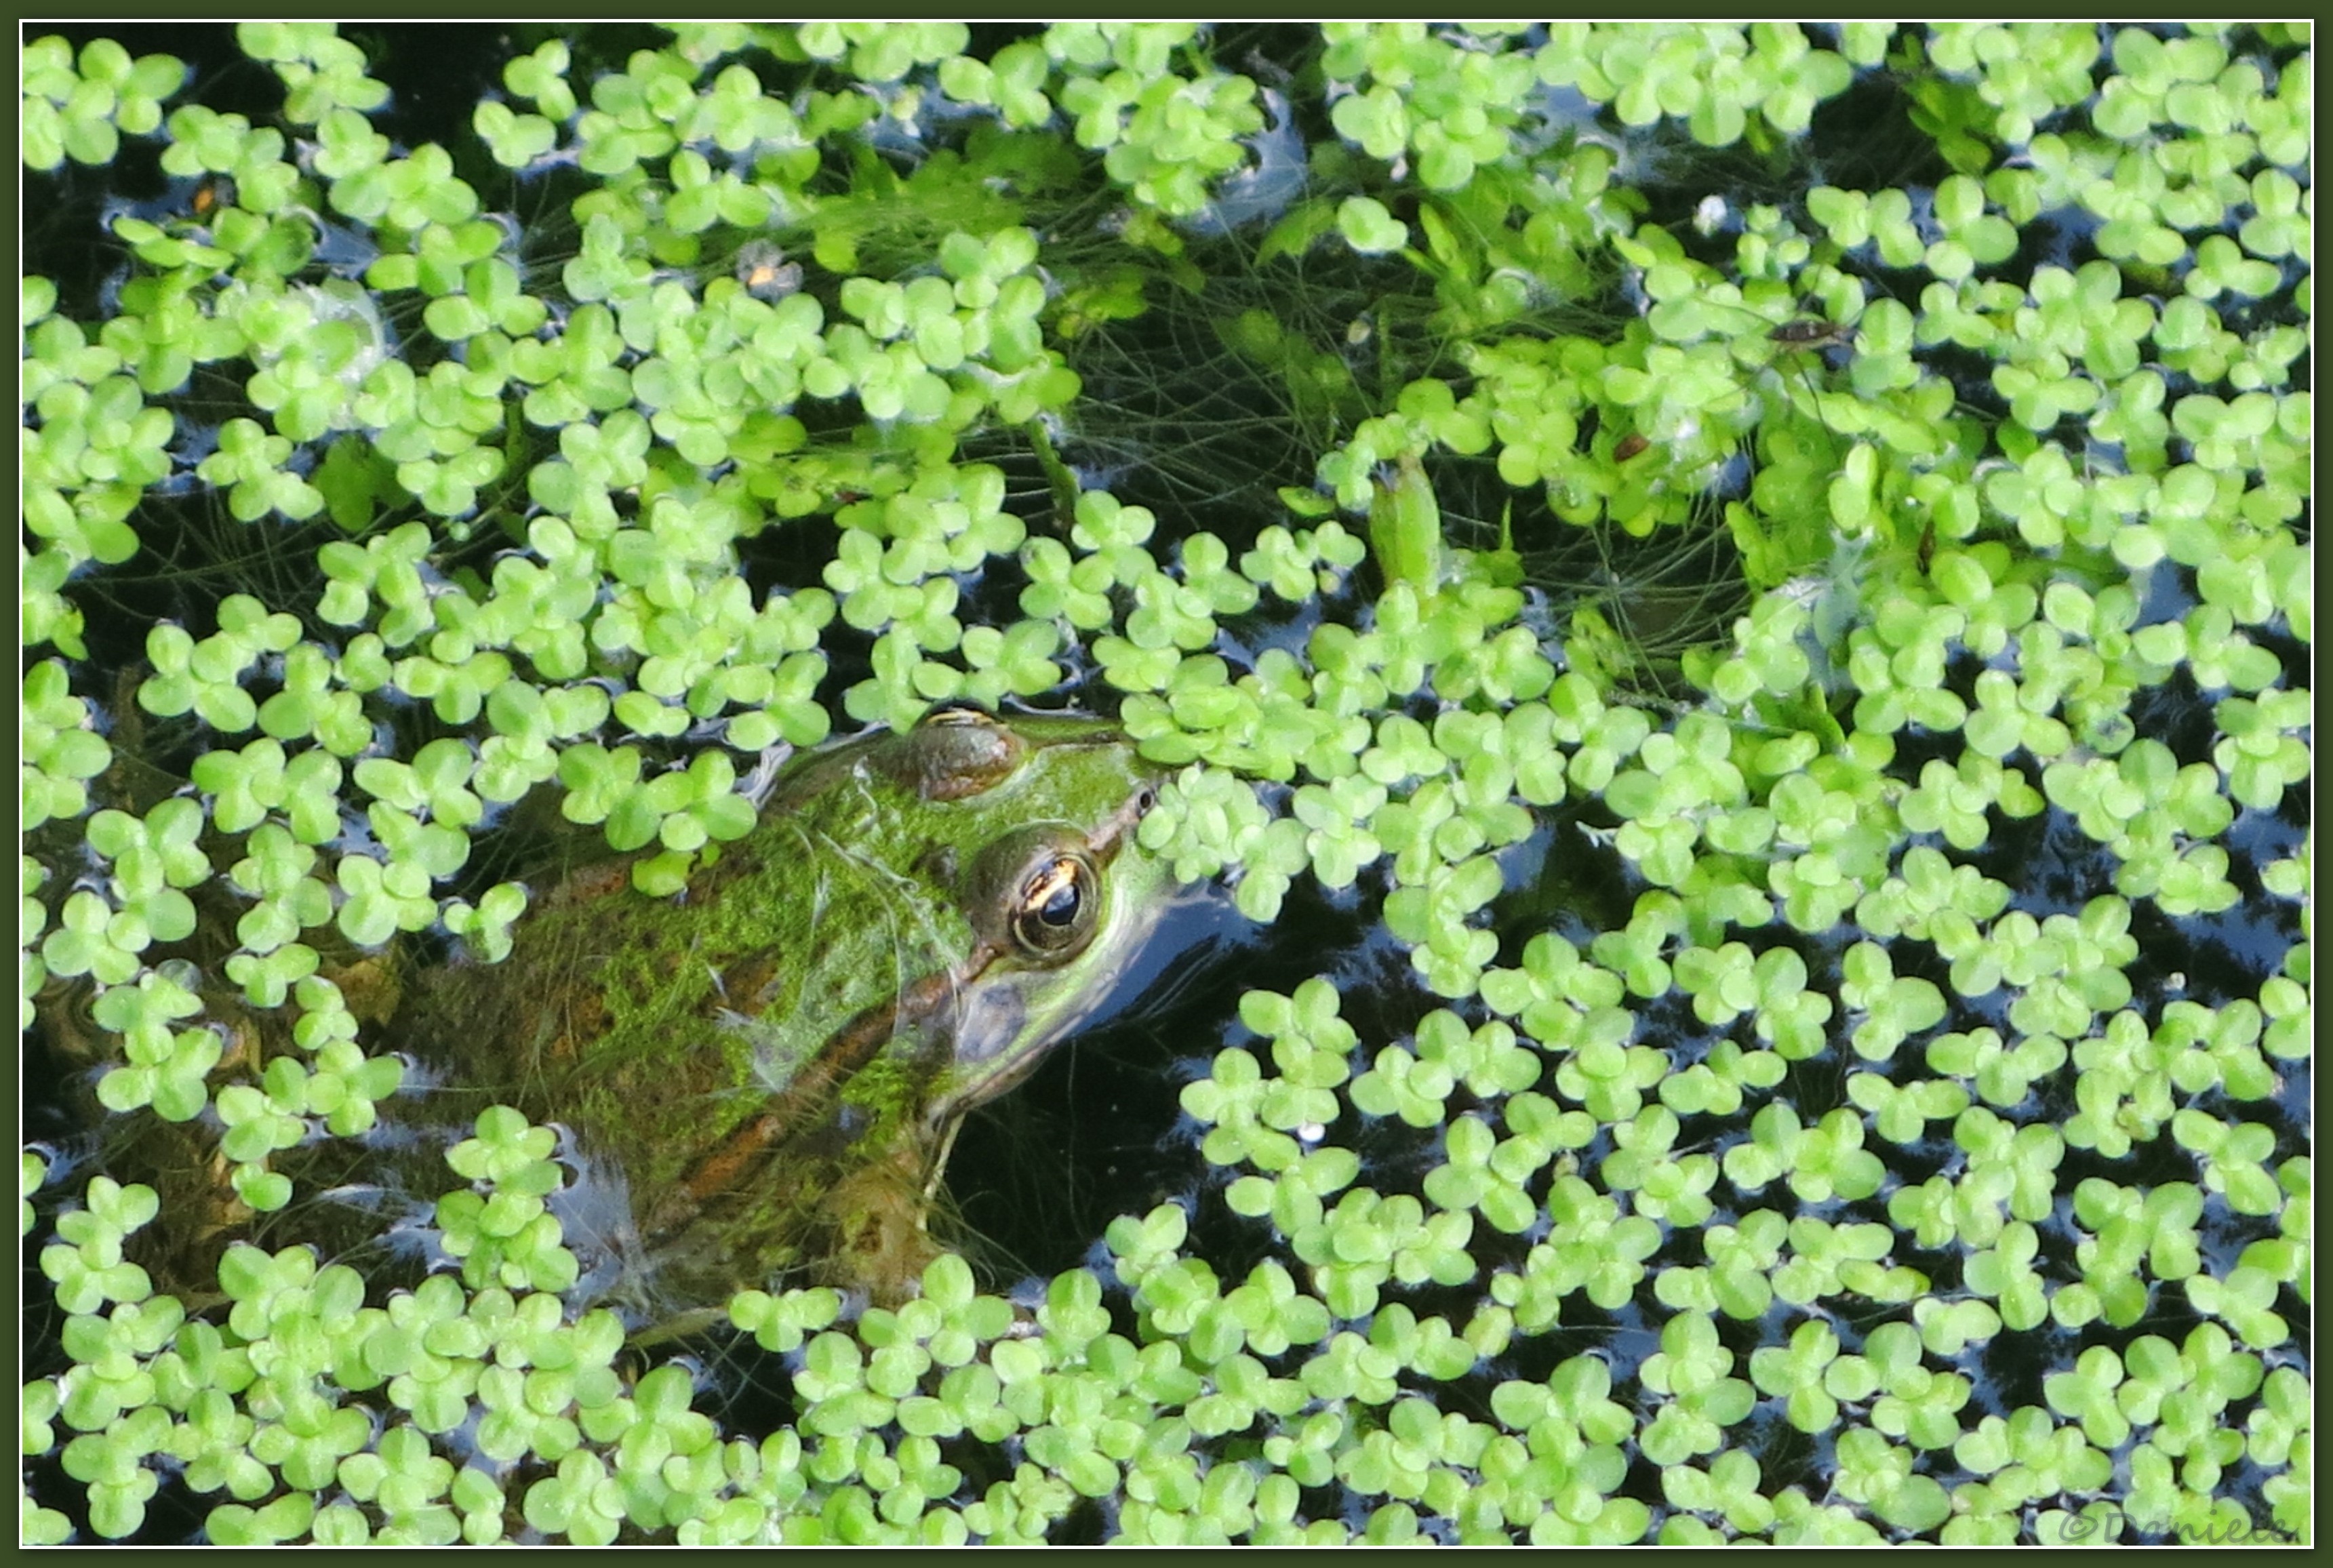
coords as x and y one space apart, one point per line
1792 681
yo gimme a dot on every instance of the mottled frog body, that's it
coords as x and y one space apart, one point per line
772 1063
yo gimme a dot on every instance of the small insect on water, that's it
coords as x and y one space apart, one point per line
1813 333
1808 334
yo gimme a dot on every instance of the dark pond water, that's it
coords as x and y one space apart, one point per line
1172 421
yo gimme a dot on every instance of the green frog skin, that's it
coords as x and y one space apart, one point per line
761 1076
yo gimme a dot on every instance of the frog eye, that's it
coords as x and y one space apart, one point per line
1057 907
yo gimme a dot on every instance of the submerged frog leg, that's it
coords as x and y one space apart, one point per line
881 1245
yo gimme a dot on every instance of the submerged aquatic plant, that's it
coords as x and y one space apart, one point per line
1874 602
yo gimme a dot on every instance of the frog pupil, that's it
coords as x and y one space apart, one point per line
1053 913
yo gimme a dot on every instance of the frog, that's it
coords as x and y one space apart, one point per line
763 1075
759 1077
